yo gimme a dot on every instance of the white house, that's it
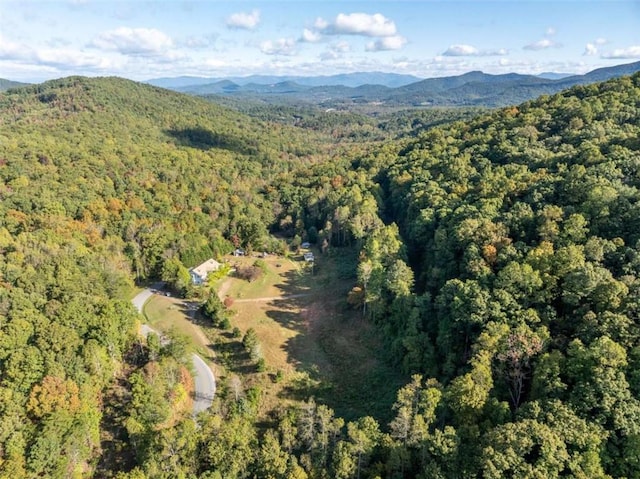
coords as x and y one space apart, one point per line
199 273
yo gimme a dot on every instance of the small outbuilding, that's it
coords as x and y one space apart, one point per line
309 258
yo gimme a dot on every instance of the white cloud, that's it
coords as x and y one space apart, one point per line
550 31
12 51
66 59
335 51
628 53
342 47
54 59
320 24
471 51
590 50
310 36
460 51
401 63
500 52
376 25
542 45
386 43
281 46
197 42
215 63
134 41
58 42
329 54
242 20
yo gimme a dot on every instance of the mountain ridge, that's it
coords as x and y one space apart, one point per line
354 79
474 88
6 84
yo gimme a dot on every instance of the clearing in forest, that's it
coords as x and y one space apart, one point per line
165 314
312 342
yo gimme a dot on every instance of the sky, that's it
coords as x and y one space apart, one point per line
144 39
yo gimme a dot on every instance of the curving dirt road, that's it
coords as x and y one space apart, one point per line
205 381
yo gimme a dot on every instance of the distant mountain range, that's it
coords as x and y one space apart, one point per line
353 80
388 89
554 75
6 84
377 90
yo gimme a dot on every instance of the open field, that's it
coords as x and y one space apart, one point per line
168 313
308 336
313 344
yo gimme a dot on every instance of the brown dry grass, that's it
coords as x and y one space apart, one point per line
308 333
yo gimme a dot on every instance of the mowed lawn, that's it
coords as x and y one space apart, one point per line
165 314
310 336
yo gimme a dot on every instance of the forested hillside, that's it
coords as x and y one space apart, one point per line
502 268
103 182
6 84
522 232
499 258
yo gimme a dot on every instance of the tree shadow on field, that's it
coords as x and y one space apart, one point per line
204 139
340 356
295 282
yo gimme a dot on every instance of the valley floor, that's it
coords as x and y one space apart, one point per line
313 343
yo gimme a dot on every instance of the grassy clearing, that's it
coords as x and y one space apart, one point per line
313 344
167 313
309 338
283 276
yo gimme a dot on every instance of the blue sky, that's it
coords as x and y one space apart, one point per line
139 39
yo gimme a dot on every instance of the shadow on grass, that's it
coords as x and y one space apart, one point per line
229 350
340 356
232 354
337 355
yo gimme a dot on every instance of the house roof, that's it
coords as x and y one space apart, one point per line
207 267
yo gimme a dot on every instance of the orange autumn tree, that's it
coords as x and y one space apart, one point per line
53 394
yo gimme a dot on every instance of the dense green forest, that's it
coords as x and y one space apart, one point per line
499 259
104 182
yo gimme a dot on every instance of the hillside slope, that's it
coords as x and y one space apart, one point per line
506 276
522 231
499 257
6 84
78 144
103 181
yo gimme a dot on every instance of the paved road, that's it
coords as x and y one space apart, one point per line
205 381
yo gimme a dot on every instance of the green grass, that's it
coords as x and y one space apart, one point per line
320 346
166 314
275 281
310 337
